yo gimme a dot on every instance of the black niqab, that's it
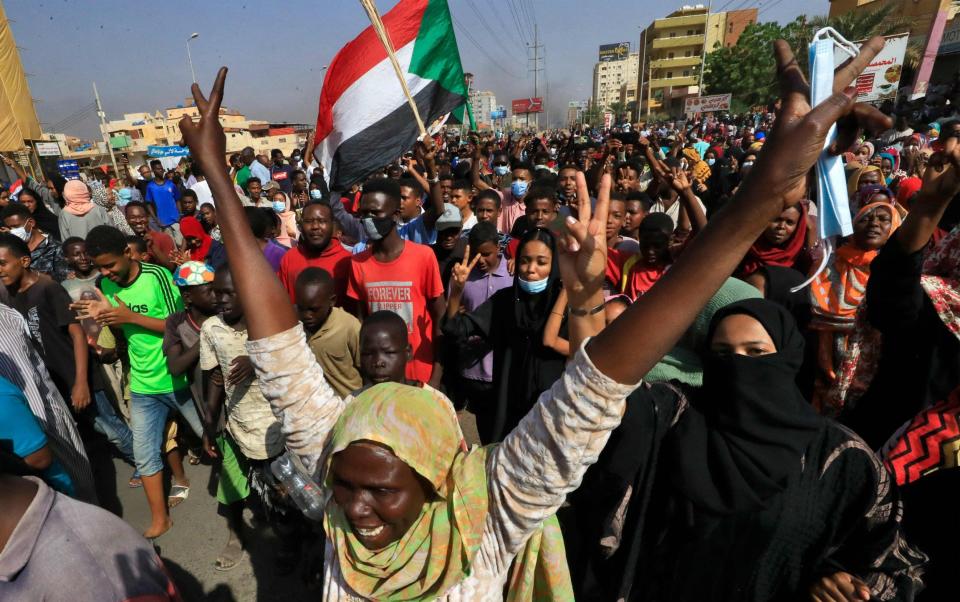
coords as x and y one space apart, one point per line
749 426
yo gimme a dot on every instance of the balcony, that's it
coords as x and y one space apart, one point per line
684 21
678 42
665 82
676 62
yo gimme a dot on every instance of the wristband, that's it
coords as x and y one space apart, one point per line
587 312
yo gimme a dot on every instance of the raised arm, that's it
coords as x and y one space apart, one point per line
290 377
270 310
941 182
475 177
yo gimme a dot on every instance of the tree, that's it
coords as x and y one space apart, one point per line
860 25
747 70
618 109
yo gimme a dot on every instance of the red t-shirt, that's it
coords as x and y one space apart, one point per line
639 277
334 259
403 286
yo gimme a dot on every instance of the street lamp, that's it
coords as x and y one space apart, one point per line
190 57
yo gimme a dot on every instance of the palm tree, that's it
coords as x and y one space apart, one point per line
860 25
618 109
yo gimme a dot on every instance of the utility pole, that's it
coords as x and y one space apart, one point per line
643 63
536 73
103 130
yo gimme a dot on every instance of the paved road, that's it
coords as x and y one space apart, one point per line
198 534
195 540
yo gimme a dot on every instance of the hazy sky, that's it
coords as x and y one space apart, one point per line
136 51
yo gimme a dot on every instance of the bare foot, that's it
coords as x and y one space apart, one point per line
157 530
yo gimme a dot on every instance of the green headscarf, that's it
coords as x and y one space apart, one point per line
683 363
438 550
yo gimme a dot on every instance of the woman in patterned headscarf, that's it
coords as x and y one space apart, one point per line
838 290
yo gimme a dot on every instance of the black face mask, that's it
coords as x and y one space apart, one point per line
377 228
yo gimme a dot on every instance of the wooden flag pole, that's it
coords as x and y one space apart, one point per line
388 46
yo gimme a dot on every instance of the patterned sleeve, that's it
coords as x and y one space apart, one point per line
544 457
293 383
869 513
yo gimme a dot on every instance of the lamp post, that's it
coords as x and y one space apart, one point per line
190 57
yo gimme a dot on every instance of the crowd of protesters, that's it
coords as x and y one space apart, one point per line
680 391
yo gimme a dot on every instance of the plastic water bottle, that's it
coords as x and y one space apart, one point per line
302 490
89 325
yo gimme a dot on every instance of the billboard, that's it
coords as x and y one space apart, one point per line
880 80
167 151
527 105
614 52
498 114
707 104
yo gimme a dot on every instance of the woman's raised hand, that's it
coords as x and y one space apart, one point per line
206 140
583 247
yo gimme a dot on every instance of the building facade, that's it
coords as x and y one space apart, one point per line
673 50
616 81
483 103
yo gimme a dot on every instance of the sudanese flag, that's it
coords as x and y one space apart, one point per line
364 121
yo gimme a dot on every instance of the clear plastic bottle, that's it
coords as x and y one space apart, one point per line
301 488
89 325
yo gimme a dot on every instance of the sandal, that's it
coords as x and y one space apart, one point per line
135 482
230 556
192 458
178 493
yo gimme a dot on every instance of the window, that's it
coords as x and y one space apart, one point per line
686 73
688 53
673 34
669 73
689 32
669 55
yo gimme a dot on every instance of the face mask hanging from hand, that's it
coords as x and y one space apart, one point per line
833 218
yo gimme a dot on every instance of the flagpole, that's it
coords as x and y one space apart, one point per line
381 31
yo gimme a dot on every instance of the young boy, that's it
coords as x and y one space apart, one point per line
251 438
84 276
634 274
137 299
385 352
332 333
461 197
486 208
474 385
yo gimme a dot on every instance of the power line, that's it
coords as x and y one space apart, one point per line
768 6
74 118
484 23
525 14
516 21
504 29
467 33
470 38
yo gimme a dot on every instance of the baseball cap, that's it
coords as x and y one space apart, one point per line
450 218
193 273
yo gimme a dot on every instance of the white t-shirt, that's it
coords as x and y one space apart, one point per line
202 188
674 210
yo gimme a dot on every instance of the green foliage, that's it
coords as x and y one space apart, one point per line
748 70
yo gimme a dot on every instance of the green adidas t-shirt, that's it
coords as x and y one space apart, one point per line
152 294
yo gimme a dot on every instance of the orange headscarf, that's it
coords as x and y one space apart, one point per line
838 290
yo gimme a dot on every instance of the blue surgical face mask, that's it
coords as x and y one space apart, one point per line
279 206
315 194
533 287
501 170
711 161
519 188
